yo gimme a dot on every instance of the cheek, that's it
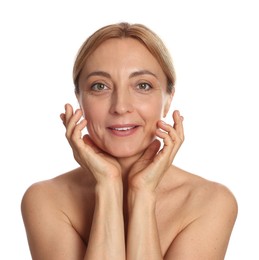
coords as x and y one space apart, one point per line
91 110
94 116
94 120
152 110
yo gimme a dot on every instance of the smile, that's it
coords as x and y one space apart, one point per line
123 128
123 131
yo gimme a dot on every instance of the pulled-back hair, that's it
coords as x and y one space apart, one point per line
125 30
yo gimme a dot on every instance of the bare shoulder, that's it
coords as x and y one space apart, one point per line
58 187
37 194
43 192
209 210
55 207
57 195
42 198
212 196
204 193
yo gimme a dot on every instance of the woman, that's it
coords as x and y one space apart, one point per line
126 200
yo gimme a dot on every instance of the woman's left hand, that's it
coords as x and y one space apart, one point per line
147 172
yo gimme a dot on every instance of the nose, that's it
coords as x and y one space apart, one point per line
121 102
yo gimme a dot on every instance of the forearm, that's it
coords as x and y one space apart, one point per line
107 240
143 238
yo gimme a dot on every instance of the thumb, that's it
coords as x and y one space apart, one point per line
147 156
88 141
151 151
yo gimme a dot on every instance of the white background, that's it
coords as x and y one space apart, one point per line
214 45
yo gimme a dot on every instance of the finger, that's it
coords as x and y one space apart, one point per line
63 118
151 151
88 141
68 113
148 154
73 121
178 124
76 136
146 157
167 133
171 140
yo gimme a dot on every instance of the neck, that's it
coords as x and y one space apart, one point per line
126 163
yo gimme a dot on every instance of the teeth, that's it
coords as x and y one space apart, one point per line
123 128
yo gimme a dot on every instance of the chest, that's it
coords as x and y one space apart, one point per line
169 216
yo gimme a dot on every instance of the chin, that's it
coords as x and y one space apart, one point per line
125 152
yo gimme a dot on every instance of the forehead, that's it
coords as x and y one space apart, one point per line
123 53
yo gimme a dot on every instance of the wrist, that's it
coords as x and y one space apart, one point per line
141 198
110 182
109 190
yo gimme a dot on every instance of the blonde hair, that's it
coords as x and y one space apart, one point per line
125 30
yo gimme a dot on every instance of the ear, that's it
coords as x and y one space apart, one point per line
168 101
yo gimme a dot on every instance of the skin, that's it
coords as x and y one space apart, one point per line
126 200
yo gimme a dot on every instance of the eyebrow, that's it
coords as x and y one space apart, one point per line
132 75
142 72
99 73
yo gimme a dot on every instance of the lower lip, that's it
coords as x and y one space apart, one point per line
123 133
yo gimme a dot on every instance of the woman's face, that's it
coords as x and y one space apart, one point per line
122 92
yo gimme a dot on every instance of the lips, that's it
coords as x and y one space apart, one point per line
123 130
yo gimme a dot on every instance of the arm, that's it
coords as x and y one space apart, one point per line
107 231
143 237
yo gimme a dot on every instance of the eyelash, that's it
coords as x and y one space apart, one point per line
139 86
95 86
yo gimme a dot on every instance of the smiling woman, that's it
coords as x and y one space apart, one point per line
130 91
127 200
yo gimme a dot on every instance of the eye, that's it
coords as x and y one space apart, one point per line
144 86
98 87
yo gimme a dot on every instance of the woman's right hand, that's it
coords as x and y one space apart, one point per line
103 166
